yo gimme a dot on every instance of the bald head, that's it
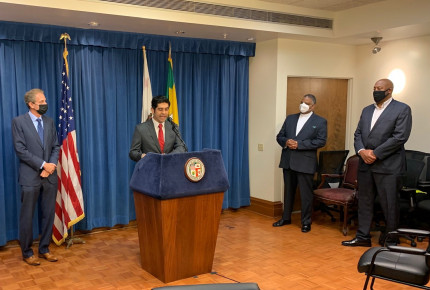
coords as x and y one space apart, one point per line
383 85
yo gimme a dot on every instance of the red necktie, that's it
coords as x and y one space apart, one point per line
161 137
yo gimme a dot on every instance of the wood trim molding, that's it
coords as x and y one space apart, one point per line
265 207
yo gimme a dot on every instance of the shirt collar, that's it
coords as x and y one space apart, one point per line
33 117
156 123
384 104
306 115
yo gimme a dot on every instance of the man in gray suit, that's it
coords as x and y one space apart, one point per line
300 137
36 145
156 135
379 139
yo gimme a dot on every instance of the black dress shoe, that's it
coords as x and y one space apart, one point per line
281 223
357 243
306 228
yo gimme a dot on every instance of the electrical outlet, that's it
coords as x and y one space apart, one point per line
260 147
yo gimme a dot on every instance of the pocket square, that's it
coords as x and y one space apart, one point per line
314 127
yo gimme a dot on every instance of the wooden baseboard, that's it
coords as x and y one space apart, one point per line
265 207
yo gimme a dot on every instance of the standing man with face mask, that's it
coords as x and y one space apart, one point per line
36 145
300 137
156 135
382 131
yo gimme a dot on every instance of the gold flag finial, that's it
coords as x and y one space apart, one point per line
65 36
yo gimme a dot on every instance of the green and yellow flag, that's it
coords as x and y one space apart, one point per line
171 91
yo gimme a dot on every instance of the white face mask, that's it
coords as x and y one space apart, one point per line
303 108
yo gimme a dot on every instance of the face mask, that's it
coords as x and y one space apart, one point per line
42 109
303 108
379 95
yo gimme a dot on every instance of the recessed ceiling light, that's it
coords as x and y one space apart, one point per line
93 24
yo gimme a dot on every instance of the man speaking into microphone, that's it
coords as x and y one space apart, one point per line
156 135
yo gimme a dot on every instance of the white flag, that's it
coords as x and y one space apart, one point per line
147 90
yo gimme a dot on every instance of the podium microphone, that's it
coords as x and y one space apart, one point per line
175 129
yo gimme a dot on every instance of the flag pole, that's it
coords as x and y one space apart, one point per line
70 240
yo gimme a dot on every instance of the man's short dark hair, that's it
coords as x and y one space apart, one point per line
312 97
158 100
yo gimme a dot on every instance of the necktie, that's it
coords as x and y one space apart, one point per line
40 129
161 137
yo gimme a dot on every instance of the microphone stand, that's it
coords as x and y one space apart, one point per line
175 129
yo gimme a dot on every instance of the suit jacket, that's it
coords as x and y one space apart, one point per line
386 139
145 140
30 151
312 136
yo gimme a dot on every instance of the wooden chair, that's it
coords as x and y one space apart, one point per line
343 196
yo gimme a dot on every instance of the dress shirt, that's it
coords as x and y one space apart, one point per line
378 111
157 129
302 120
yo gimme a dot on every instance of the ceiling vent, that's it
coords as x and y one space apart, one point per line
234 12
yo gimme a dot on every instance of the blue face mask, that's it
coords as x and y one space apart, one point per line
379 95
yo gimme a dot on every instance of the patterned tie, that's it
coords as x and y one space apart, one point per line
40 129
161 137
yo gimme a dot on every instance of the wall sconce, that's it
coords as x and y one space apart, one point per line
376 40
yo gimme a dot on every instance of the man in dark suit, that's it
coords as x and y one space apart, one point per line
156 135
300 137
382 131
36 145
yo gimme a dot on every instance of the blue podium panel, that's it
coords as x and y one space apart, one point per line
163 176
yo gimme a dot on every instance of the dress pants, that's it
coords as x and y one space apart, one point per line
387 186
29 197
304 181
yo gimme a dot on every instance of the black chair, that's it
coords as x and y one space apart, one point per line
408 196
343 196
225 286
405 265
424 182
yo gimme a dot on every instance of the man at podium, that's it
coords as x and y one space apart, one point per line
156 135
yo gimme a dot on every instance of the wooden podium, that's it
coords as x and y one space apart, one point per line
178 219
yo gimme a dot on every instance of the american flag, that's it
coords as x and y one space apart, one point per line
69 208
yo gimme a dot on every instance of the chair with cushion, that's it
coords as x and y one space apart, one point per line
405 265
344 195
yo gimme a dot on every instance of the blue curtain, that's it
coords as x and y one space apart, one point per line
106 83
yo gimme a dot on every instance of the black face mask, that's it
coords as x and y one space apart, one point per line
42 109
379 95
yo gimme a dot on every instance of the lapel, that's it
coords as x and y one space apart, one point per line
169 138
306 125
29 123
153 134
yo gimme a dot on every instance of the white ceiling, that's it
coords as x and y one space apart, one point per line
398 22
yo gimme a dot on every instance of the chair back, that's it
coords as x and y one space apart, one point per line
414 167
330 162
413 154
351 172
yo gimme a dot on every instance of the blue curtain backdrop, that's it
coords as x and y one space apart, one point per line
106 82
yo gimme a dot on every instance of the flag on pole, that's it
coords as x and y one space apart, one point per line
69 208
171 90
147 90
